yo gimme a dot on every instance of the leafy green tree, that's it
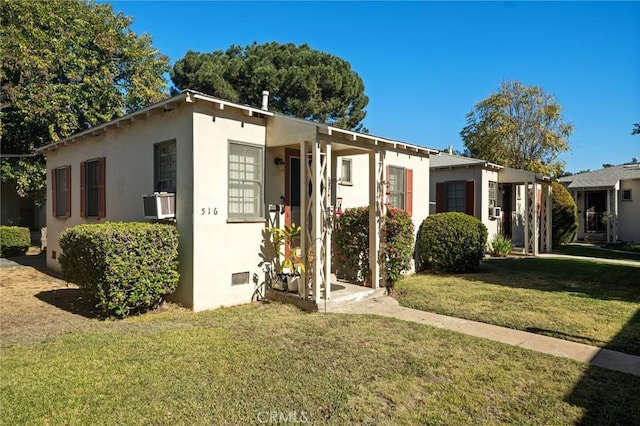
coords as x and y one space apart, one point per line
67 66
303 82
519 126
636 129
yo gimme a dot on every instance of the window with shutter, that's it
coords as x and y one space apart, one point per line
61 192
456 196
92 188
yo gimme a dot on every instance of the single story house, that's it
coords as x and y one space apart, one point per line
501 197
234 170
608 203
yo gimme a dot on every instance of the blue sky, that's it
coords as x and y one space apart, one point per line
426 64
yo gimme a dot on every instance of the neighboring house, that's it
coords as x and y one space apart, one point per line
234 170
501 197
19 211
608 203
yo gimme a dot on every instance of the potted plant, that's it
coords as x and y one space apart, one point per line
290 265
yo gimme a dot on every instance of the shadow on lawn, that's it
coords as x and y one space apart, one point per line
74 300
596 252
581 277
609 397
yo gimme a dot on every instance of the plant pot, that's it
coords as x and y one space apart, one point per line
293 282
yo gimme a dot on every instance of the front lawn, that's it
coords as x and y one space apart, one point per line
610 252
270 363
587 302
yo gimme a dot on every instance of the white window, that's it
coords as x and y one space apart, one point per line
493 190
245 181
346 170
626 195
397 187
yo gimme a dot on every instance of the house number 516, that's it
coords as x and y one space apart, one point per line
209 211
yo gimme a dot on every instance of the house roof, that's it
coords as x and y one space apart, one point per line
191 96
444 161
450 161
188 96
603 178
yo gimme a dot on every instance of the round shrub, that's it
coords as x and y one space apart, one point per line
450 242
128 267
564 216
14 241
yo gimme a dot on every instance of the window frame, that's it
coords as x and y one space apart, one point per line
457 183
349 163
622 195
242 183
173 166
98 166
493 187
401 171
59 207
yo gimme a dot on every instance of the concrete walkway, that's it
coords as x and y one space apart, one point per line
389 307
591 259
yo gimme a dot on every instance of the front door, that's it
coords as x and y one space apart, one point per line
595 208
506 211
292 188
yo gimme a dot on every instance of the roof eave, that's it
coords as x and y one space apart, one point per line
188 96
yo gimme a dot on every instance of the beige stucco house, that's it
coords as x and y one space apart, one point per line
501 197
608 203
234 170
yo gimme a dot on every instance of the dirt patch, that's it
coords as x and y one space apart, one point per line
35 305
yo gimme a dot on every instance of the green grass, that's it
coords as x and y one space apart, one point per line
598 252
624 247
582 301
247 364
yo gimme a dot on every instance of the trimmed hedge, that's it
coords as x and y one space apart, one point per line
450 242
14 241
129 267
564 221
396 243
352 244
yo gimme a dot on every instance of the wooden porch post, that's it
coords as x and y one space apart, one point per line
328 219
549 218
374 217
615 215
608 215
535 231
304 180
316 218
526 218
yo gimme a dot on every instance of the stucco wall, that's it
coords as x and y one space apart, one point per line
481 177
221 246
629 212
129 174
356 192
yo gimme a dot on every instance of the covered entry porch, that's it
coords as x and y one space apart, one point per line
303 183
526 210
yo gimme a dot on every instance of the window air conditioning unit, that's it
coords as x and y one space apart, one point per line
160 205
497 212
